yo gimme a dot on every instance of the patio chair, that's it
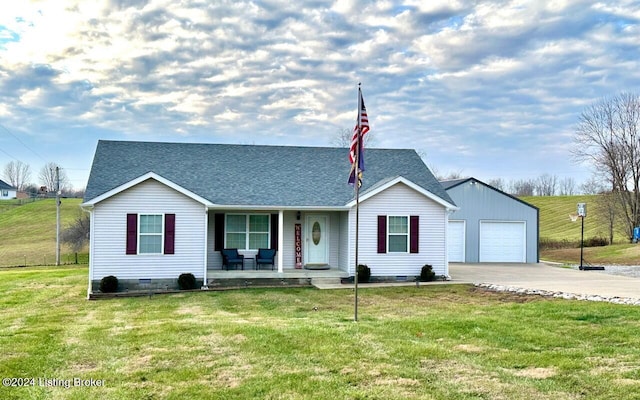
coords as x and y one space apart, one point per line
266 257
232 257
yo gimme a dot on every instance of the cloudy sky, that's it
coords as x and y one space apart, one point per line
485 88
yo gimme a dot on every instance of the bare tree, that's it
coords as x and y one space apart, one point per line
522 187
546 185
567 186
18 174
77 234
606 210
608 136
343 138
592 186
454 175
497 183
47 177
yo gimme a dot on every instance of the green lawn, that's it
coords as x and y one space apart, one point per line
432 342
28 231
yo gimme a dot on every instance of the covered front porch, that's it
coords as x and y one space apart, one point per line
303 240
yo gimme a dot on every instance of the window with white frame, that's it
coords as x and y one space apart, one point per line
150 233
247 231
5 193
398 234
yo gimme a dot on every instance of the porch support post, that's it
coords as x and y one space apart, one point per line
92 239
280 240
206 246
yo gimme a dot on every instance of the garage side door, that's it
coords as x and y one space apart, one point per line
503 241
455 238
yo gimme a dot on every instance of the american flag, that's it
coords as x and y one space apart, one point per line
361 128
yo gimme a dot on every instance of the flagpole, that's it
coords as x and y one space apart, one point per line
357 186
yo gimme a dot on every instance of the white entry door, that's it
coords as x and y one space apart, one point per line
316 240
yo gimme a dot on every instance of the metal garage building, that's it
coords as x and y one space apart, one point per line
491 226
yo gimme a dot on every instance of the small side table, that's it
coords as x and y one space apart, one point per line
253 259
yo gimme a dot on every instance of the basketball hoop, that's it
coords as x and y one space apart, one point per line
573 217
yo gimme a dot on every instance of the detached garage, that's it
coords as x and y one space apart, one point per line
490 226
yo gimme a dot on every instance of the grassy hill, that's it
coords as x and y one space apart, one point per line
555 223
28 232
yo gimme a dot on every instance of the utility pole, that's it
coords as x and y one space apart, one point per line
57 215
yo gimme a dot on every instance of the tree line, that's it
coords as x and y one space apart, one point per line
544 185
18 174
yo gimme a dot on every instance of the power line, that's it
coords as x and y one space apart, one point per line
9 155
22 143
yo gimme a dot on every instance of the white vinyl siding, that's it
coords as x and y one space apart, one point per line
149 197
8 194
400 199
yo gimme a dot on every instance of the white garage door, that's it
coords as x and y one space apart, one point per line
455 237
502 241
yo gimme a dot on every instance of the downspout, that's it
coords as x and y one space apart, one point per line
89 209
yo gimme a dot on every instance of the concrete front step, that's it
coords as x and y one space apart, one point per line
326 283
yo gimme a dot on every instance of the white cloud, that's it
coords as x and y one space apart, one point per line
457 76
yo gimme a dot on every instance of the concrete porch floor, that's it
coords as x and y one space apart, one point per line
269 274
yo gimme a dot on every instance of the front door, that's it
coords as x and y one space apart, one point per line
316 239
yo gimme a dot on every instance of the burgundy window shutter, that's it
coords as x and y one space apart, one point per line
274 231
132 233
382 233
218 236
414 233
169 233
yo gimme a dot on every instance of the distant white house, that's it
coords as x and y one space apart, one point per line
7 191
162 209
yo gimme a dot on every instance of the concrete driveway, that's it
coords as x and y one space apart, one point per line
547 277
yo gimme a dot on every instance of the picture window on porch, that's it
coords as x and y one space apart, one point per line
151 234
247 231
398 234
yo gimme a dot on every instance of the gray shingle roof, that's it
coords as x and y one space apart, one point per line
250 175
5 186
449 183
